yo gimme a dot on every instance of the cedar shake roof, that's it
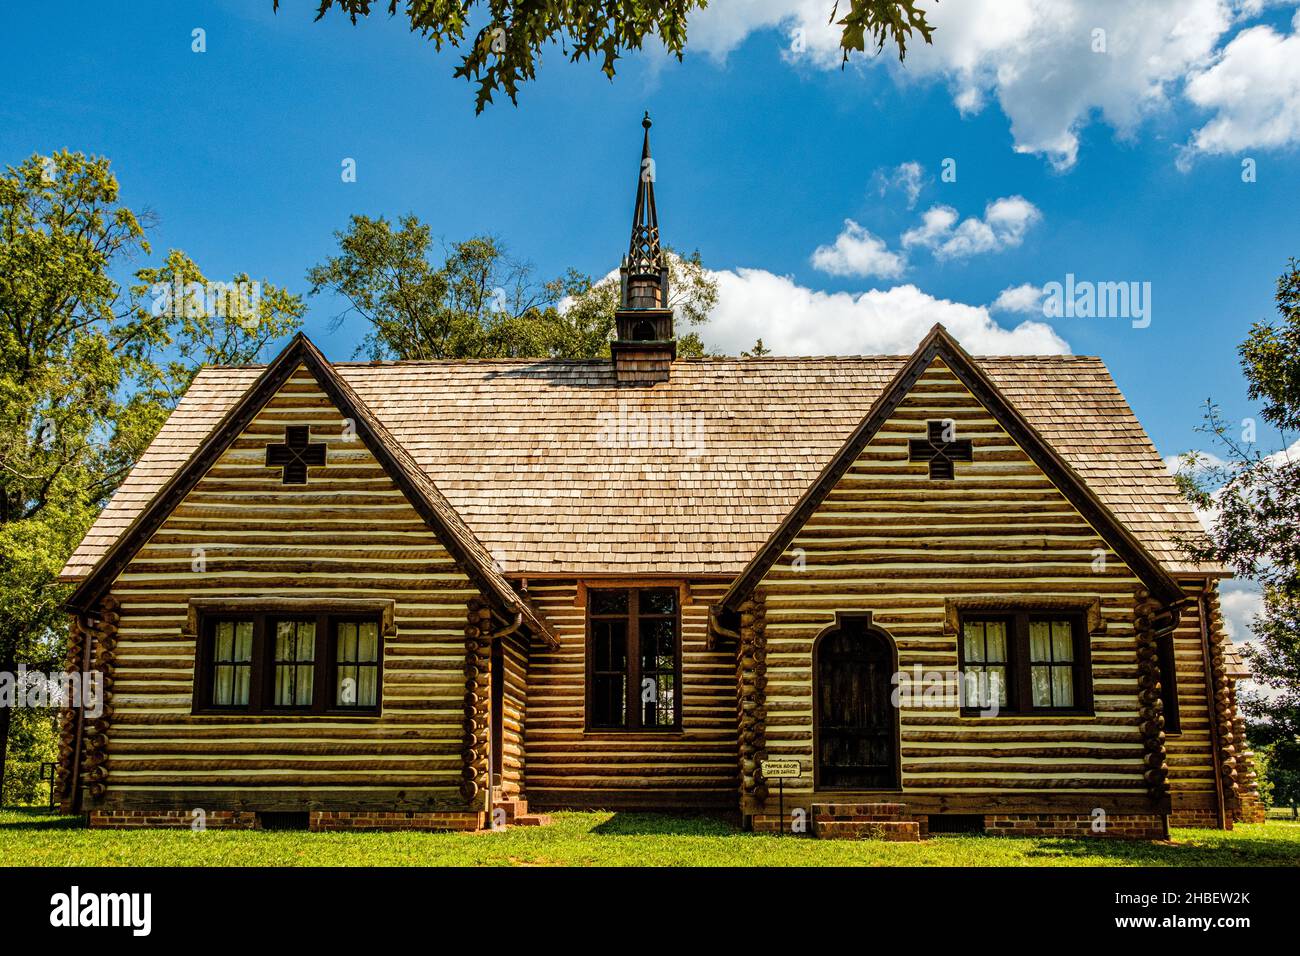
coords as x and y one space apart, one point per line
558 469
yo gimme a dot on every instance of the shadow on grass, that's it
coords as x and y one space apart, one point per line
38 818
626 823
1214 849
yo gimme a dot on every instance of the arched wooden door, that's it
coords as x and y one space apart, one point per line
856 722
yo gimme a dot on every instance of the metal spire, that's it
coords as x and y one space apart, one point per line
644 256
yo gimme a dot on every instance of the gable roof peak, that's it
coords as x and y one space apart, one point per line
420 490
939 343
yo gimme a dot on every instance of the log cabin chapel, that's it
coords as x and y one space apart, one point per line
452 594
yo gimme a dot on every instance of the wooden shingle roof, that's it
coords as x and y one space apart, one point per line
556 468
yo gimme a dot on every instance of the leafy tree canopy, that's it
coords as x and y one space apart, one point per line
478 301
505 48
1256 530
89 367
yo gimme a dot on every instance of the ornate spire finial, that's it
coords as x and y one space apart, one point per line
643 269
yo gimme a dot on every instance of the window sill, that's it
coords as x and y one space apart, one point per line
287 715
616 734
1035 715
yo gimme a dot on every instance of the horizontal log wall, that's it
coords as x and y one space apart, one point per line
890 540
1191 752
693 769
348 533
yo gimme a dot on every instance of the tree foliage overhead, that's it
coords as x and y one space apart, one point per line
478 302
509 36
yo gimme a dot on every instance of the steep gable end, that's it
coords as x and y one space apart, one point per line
939 349
289 451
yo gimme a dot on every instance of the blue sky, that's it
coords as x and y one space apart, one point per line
1128 160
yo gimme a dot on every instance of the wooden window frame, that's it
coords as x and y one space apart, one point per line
632 703
1019 667
262 672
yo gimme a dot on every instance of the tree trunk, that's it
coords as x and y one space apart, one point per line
6 715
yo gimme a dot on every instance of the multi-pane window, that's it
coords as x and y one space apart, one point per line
1051 663
633 659
309 663
232 663
609 658
356 663
295 663
1025 661
984 645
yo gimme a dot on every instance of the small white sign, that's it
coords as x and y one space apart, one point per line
779 769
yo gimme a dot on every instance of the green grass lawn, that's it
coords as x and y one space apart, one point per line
34 837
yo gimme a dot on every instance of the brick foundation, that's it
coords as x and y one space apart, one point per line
332 820
1251 809
172 819
395 820
1200 818
1125 826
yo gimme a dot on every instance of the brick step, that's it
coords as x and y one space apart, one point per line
532 820
860 818
893 831
512 808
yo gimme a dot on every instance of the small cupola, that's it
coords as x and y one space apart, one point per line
644 347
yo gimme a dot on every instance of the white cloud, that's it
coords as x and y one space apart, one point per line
1174 463
1004 226
1019 298
908 177
856 252
1240 601
794 320
1036 59
1253 87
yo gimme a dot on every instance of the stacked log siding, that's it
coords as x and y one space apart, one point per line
348 533
890 540
1190 752
569 766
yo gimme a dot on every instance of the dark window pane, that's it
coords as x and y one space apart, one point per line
608 602
658 644
609 645
609 698
659 601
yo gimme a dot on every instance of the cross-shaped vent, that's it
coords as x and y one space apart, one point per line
941 447
296 454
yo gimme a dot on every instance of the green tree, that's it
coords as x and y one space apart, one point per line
1257 529
479 302
504 50
587 323
758 351
89 367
